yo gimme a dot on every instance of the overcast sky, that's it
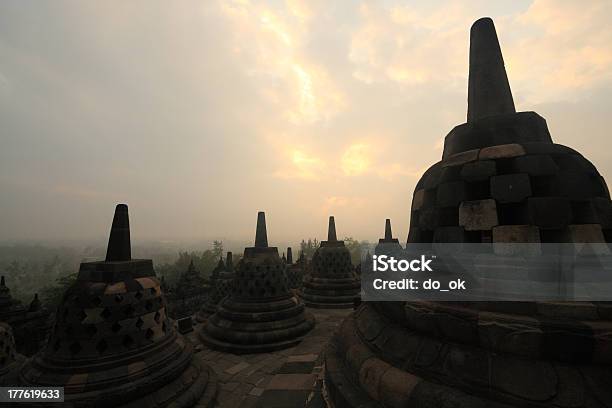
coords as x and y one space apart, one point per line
199 114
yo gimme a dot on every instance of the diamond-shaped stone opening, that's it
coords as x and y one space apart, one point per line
106 313
118 298
68 329
138 295
139 323
97 300
75 347
164 327
116 327
128 341
101 346
66 311
128 310
149 305
82 315
153 291
157 317
149 333
91 330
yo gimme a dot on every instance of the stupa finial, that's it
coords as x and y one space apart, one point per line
119 248
261 236
489 92
331 230
388 233
289 255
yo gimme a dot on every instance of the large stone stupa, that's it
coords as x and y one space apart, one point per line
331 282
501 179
262 314
113 344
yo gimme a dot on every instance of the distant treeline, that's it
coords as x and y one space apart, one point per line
48 271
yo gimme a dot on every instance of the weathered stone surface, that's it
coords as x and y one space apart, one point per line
549 212
536 165
478 215
450 194
480 170
501 152
510 188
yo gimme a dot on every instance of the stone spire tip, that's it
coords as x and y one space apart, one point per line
331 230
388 233
489 91
261 235
119 248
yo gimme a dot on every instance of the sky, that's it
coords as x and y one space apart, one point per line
199 114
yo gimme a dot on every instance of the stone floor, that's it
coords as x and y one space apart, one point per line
282 379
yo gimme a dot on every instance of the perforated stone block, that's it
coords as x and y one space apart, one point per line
504 235
549 212
510 188
478 215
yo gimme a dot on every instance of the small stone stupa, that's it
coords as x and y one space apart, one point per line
113 344
501 179
221 284
295 271
262 314
30 325
10 359
387 245
331 283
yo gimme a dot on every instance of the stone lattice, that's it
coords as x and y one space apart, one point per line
261 314
113 344
331 281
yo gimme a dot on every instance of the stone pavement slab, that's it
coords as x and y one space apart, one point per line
281 379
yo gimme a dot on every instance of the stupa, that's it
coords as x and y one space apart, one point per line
331 282
221 284
387 245
295 271
501 179
10 359
262 314
30 325
113 344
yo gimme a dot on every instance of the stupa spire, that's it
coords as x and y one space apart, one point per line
289 256
489 92
388 233
119 248
261 236
331 230
228 261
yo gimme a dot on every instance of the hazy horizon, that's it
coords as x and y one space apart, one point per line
199 114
